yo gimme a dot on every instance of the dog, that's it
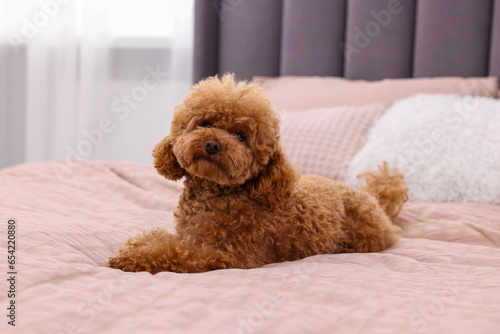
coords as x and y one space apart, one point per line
243 204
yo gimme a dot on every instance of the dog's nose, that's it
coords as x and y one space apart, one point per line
212 147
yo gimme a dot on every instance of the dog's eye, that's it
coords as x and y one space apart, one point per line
240 136
206 124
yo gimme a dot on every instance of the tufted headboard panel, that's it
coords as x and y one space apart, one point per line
356 39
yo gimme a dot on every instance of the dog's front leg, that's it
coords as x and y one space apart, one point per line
158 250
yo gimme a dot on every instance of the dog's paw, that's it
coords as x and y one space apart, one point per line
122 263
136 262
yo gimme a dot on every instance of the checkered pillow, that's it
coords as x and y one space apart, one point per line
323 141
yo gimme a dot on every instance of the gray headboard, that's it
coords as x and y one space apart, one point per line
356 39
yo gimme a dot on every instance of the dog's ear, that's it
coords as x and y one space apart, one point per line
276 181
165 161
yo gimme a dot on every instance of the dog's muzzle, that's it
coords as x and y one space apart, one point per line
212 147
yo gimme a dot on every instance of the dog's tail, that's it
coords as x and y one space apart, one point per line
389 187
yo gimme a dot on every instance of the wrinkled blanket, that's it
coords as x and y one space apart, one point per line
442 277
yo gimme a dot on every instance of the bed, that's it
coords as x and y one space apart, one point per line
443 276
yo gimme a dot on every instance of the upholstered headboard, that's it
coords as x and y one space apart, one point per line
356 39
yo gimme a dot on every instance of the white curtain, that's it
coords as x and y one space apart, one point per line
83 79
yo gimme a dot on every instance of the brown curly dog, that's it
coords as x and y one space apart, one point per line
243 204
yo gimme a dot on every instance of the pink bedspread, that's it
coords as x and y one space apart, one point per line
442 277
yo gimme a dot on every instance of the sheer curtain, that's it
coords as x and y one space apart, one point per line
83 79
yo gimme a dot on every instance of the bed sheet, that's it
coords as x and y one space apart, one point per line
443 276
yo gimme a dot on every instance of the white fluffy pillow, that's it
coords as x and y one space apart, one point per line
448 147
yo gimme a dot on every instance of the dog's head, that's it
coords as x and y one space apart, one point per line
226 132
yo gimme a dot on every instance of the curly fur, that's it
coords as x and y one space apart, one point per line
245 206
388 187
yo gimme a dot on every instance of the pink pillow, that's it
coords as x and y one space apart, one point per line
323 141
296 93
